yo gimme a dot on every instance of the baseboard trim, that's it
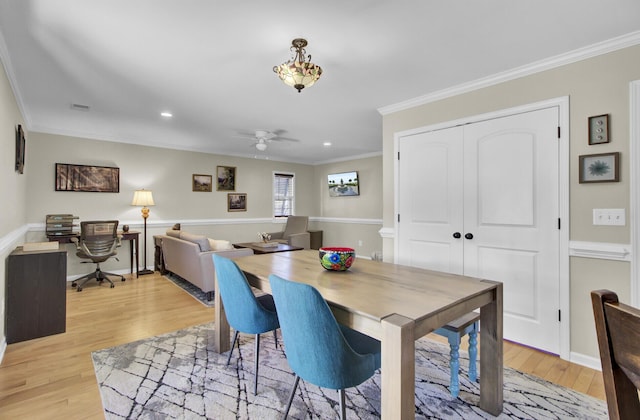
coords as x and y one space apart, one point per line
587 361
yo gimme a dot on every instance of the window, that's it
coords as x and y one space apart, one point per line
283 194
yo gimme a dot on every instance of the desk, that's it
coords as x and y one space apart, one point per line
132 236
397 305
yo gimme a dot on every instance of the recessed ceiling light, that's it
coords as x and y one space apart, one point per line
326 144
166 114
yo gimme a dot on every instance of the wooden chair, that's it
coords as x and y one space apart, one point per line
618 329
454 331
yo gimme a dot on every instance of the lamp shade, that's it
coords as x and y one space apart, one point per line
142 198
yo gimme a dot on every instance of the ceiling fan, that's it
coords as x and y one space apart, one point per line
263 137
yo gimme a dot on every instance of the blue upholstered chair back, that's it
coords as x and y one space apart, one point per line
318 349
244 312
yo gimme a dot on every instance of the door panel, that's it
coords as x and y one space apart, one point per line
431 168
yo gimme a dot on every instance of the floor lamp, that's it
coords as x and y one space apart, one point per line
144 198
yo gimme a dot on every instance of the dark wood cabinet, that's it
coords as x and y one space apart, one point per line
36 298
316 239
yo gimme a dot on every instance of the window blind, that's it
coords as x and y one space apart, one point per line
283 198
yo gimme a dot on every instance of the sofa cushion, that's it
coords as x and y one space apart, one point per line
174 233
202 241
220 245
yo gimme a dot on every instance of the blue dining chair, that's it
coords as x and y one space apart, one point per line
245 312
318 349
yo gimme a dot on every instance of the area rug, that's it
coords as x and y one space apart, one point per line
179 376
194 291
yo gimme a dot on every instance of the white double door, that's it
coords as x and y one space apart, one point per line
482 200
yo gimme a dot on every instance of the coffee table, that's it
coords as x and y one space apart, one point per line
258 248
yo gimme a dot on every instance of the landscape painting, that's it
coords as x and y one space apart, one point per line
344 184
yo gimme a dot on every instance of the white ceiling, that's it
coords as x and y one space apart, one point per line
210 64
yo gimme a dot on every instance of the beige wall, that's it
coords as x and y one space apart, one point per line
595 86
12 186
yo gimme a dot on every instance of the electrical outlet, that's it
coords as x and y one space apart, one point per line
609 217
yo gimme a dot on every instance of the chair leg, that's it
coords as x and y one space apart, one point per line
343 411
235 338
255 382
293 394
473 353
275 338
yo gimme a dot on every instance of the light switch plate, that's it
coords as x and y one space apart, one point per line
609 217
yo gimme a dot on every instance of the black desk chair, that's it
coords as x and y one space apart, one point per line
98 242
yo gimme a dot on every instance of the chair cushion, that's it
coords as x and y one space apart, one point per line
219 245
202 241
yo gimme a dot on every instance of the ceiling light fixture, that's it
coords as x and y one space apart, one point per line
166 114
261 145
298 72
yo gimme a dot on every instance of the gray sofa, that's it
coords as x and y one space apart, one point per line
190 257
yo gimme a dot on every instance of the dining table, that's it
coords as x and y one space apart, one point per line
395 304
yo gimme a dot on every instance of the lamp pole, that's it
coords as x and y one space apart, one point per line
144 198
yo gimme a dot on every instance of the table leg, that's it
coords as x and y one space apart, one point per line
221 325
131 256
398 368
137 242
491 355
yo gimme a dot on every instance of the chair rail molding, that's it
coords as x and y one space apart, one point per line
600 250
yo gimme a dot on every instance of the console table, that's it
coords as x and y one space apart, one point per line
132 236
257 249
36 297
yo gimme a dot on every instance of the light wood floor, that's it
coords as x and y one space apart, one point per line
53 378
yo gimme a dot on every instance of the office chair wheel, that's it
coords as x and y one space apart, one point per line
74 284
113 285
79 289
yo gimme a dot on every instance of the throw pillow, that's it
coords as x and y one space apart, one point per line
220 245
201 240
174 233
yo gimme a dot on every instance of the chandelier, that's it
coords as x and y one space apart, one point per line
298 72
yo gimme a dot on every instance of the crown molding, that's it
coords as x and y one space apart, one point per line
579 54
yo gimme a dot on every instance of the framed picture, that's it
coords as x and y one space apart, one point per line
603 167
20 144
226 178
599 129
236 202
87 178
202 183
343 184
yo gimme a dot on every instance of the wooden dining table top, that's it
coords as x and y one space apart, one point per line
372 289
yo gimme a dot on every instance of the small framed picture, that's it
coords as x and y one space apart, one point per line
237 202
202 183
20 143
599 129
603 167
226 178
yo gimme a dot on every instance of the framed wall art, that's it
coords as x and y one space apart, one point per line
202 183
20 148
599 129
237 202
226 178
87 178
603 167
343 184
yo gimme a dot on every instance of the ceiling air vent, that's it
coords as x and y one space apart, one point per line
80 107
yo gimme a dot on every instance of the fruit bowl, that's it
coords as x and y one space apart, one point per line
337 258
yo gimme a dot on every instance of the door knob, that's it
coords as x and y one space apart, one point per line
469 236
457 235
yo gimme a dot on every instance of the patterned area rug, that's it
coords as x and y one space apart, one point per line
179 376
194 291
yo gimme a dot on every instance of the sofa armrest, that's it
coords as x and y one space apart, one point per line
302 240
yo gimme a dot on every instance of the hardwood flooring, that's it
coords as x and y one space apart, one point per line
53 378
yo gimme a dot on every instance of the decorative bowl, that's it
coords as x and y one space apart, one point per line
337 258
